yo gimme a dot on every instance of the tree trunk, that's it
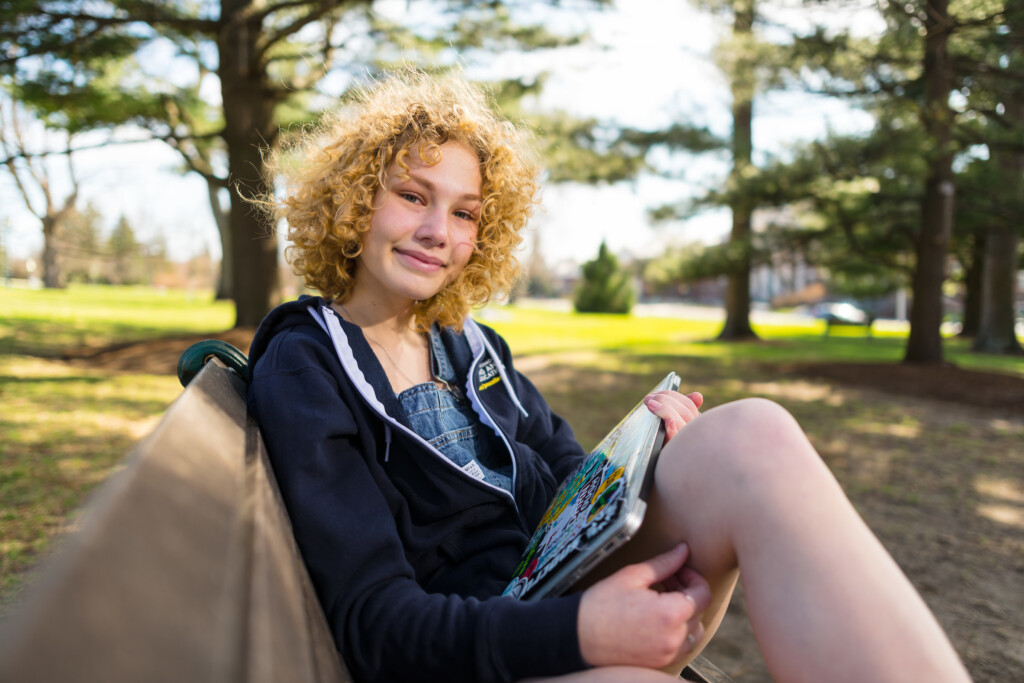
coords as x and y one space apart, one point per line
974 272
996 333
222 219
998 315
249 128
925 342
737 295
52 278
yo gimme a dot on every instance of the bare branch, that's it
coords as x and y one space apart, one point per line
18 145
69 201
24 154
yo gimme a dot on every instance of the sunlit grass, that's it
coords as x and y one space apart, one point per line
45 322
63 431
531 331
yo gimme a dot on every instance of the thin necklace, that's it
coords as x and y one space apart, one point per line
383 348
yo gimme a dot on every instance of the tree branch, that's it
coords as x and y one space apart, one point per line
154 14
271 38
26 155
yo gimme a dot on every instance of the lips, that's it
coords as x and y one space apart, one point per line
420 260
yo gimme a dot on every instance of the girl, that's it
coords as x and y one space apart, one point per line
415 461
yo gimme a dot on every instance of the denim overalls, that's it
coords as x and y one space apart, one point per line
445 418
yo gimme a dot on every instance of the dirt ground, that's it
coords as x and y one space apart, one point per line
951 513
952 517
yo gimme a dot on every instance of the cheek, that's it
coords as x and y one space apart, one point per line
463 245
462 251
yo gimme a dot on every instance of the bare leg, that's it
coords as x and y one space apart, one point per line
610 674
744 487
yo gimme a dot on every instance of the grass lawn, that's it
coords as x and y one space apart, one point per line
65 427
62 431
40 322
535 331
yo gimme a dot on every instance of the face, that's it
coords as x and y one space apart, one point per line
424 226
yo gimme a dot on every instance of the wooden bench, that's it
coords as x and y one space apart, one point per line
183 567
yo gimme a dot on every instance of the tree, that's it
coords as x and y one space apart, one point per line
79 243
742 82
929 56
751 65
924 345
31 173
125 254
266 57
51 48
999 104
605 287
854 203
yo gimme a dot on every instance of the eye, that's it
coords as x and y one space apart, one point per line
410 197
466 215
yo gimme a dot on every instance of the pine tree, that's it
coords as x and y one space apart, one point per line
605 287
125 254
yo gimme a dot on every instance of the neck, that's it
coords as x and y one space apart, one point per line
383 320
403 353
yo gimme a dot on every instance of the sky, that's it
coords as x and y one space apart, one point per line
648 65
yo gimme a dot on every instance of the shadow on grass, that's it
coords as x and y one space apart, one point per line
74 379
50 339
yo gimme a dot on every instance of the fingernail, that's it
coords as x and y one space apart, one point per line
653 404
693 601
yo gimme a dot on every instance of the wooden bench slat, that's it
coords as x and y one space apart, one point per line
175 573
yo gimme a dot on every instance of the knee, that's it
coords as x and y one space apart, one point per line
750 441
753 425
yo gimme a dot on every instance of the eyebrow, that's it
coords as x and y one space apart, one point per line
433 188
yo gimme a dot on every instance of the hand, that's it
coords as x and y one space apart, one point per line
674 408
624 621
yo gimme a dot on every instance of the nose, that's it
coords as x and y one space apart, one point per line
434 227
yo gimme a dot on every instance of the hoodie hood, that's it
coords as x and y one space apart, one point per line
287 315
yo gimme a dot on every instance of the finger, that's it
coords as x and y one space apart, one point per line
693 638
674 413
673 584
696 587
691 585
697 398
685 406
658 568
673 421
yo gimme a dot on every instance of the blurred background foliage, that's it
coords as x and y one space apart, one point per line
931 197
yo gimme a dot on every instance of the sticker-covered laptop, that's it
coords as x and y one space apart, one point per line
596 509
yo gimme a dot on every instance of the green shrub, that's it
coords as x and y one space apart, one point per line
605 287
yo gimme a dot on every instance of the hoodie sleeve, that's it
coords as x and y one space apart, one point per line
386 626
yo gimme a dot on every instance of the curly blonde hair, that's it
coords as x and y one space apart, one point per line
332 174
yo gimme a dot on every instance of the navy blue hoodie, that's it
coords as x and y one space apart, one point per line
406 551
